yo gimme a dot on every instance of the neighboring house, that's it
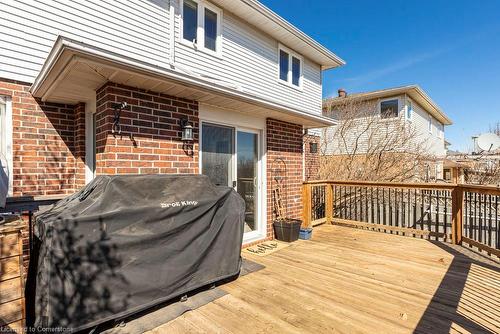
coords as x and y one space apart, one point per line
375 116
246 80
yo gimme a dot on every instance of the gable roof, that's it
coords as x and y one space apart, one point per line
260 16
413 91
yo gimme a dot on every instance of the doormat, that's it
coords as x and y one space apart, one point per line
266 248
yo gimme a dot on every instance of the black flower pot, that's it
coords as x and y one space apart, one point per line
287 229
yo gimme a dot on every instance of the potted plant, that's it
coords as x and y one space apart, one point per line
285 228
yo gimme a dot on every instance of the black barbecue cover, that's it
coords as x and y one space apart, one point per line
125 243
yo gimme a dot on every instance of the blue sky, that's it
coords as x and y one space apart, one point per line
450 48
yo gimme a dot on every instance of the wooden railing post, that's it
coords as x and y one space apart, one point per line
457 205
306 205
329 203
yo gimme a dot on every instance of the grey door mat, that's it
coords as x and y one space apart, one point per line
160 315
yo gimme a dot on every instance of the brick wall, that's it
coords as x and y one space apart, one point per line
149 142
311 160
44 150
43 143
284 140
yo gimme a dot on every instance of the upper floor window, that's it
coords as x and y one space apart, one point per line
290 67
429 125
409 111
440 129
389 108
201 25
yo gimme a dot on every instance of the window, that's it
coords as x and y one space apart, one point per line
430 124
389 108
295 71
201 25
290 67
210 29
409 111
284 65
440 128
189 20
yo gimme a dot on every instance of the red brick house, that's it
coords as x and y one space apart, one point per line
247 81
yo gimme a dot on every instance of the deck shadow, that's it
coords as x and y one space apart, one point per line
464 298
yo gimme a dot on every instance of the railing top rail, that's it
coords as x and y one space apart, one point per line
492 190
438 186
29 203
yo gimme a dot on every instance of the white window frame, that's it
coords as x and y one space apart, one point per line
291 55
6 139
409 110
200 31
380 108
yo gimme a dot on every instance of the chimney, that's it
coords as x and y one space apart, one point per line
342 92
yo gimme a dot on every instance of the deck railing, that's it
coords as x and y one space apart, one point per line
446 212
26 206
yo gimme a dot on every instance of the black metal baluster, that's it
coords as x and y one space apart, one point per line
497 222
356 203
396 208
471 217
371 207
378 206
390 209
489 222
446 197
415 209
480 229
437 215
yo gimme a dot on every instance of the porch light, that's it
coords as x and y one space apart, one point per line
187 130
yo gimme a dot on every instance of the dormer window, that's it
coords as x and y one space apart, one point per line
201 25
290 67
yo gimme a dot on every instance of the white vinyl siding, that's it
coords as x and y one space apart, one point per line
249 59
434 143
246 59
138 29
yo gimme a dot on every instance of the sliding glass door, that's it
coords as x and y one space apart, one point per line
231 157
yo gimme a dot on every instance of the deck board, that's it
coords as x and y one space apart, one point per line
349 280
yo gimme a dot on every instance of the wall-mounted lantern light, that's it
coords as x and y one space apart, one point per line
187 130
116 128
313 147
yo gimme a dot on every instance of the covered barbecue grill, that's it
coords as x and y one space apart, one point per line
126 243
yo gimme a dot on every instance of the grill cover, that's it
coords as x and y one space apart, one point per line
126 243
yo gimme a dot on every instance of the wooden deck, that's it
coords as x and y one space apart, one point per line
355 281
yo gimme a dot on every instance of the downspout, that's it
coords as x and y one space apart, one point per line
172 32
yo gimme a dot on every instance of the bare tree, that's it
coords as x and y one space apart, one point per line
495 128
367 145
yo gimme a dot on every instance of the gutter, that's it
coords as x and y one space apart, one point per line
92 54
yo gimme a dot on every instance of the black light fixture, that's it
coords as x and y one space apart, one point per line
187 130
313 147
116 128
